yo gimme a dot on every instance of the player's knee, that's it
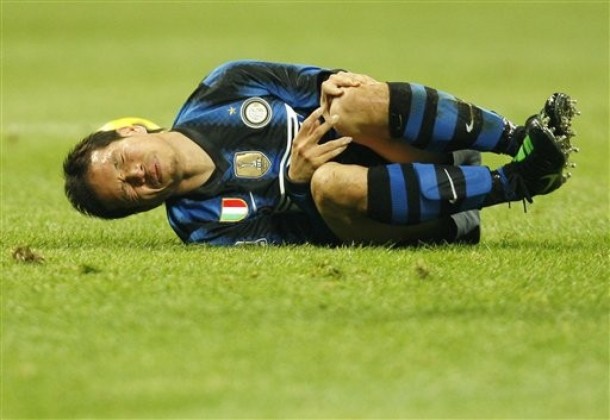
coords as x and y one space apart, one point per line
339 188
321 185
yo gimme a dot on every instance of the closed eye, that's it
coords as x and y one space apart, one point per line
128 195
119 162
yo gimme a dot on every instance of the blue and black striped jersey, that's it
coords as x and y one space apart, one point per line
245 115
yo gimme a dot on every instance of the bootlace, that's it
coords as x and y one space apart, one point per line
517 186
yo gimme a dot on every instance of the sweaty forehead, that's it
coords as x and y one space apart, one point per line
102 177
101 156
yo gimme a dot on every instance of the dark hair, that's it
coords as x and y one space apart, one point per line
76 166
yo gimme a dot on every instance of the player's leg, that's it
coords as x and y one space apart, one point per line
363 115
390 203
406 122
412 193
340 194
392 115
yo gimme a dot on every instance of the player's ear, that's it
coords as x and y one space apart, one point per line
131 130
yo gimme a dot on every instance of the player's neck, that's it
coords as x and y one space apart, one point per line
196 165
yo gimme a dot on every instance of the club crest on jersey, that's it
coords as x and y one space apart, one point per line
250 164
233 210
256 112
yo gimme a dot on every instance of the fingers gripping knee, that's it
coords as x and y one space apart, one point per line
362 111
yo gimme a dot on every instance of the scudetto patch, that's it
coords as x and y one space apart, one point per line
256 112
233 210
250 164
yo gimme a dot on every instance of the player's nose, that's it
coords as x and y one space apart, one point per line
135 174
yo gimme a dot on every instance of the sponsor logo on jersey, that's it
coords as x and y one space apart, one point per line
250 164
233 210
256 112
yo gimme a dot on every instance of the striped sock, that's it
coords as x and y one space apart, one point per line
437 121
407 194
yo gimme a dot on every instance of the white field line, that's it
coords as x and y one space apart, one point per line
12 129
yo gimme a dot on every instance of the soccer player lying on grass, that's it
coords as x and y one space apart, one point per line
276 154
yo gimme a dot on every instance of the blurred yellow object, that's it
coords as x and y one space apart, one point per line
127 121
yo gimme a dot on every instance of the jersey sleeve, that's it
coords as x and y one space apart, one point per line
295 84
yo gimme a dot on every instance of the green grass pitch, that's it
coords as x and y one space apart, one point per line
120 320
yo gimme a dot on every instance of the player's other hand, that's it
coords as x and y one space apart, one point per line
307 154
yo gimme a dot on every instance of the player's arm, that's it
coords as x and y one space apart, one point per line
262 229
297 85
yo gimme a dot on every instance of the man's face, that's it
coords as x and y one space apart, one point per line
140 170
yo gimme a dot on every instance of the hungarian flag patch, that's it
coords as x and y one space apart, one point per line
233 210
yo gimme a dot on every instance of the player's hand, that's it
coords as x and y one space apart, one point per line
335 86
306 154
